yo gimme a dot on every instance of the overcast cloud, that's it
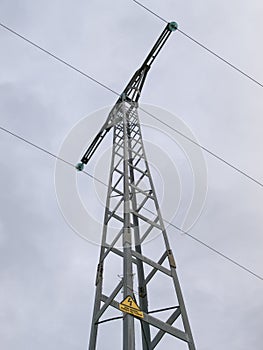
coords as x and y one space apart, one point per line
47 272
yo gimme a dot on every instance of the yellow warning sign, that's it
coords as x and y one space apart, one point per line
129 306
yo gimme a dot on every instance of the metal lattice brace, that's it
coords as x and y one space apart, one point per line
132 204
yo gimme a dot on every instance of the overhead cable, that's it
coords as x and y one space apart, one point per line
57 58
69 65
103 183
203 46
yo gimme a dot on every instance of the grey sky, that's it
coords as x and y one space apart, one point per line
47 272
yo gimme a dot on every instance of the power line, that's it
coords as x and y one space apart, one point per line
103 183
204 148
202 45
45 151
116 93
57 58
211 248
149 10
221 58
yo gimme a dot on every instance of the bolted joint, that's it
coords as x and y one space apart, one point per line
142 292
99 273
127 239
172 26
171 258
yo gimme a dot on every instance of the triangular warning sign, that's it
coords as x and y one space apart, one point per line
130 302
129 306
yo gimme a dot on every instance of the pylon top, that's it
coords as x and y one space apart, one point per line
131 93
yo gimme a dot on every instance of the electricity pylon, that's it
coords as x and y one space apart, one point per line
132 208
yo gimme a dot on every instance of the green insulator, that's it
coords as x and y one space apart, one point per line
173 26
79 166
123 96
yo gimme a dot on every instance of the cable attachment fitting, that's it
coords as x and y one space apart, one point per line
79 166
172 26
123 97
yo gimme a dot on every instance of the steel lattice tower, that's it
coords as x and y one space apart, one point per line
130 195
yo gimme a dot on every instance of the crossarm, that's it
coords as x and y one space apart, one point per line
131 93
134 87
